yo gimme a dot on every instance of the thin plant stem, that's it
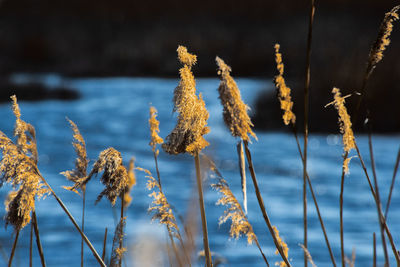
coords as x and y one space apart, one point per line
202 211
392 184
379 207
38 243
83 221
103 255
316 203
262 253
95 254
168 250
242 168
30 246
157 170
121 240
341 212
374 244
178 258
13 248
262 206
381 217
306 112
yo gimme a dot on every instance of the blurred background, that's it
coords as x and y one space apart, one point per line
101 63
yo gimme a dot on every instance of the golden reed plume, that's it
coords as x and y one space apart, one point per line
283 91
81 162
284 246
131 182
155 139
344 124
235 111
187 136
160 206
18 167
234 212
382 41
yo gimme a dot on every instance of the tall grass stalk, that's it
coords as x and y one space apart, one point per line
202 211
37 235
306 111
262 206
83 222
396 166
242 169
381 217
379 207
341 210
374 250
103 254
14 247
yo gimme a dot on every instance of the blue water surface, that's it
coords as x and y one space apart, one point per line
114 112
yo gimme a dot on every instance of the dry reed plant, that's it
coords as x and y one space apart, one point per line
283 91
155 139
81 162
308 255
235 117
18 167
284 246
187 136
240 224
192 113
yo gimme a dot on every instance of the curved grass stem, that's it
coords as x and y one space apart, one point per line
14 247
38 242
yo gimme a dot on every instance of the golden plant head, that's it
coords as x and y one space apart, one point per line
345 125
234 212
81 162
160 206
283 91
382 41
131 182
25 133
18 166
187 136
155 139
284 246
235 111
117 252
115 176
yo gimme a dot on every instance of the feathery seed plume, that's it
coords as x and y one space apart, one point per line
240 224
160 205
154 129
81 162
283 91
131 182
284 246
345 124
187 136
18 166
382 41
235 110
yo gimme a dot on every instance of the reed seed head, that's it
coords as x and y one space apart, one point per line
131 182
160 206
18 166
81 162
187 136
382 41
345 125
155 139
234 212
283 91
235 110
115 176
284 246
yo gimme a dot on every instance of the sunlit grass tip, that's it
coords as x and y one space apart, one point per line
235 110
283 91
234 212
284 246
81 162
155 139
131 182
187 136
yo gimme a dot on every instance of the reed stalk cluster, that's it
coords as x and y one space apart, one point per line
19 168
